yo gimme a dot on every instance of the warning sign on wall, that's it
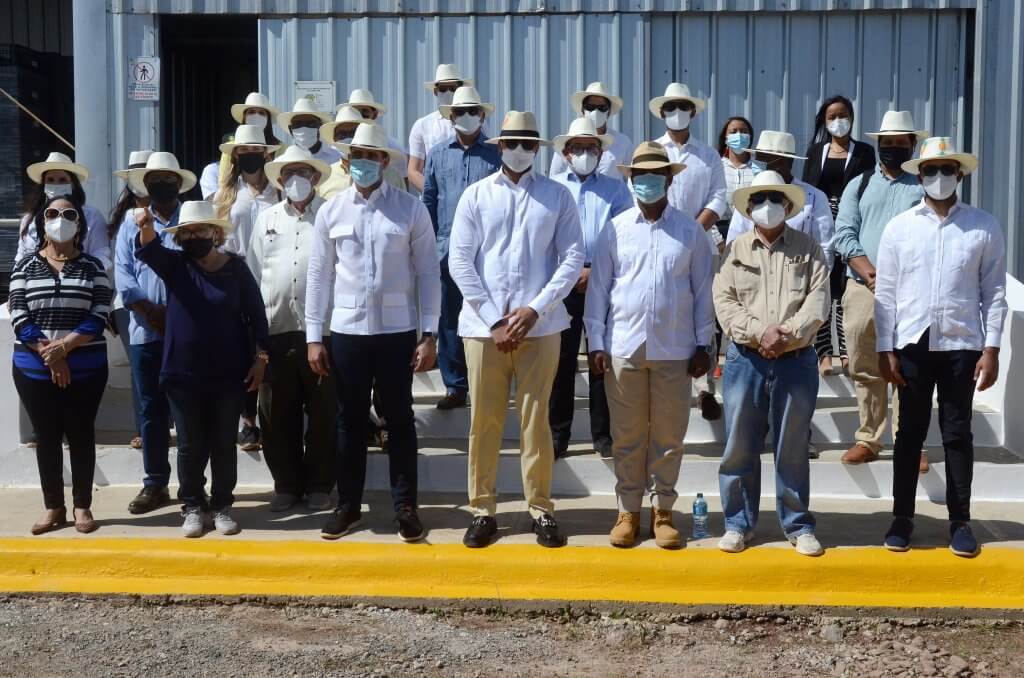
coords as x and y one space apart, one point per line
144 79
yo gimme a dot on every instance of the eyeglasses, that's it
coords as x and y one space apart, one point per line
932 170
307 124
467 110
604 108
513 144
198 232
448 87
68 213
670 106
304 172
776 197
579 150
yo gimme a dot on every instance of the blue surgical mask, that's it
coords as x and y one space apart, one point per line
649 188
365 173
738 141
756 166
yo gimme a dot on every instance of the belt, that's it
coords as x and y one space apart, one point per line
788 354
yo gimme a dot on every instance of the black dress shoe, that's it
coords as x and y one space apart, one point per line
150 499
452 401
409 526
604 448
547 532
249 438
709 407
340 523
481 532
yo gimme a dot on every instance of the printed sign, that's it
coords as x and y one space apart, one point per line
320 92
144 79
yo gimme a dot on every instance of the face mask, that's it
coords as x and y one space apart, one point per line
251 163
756 167
467 124
298 188
649 188
197 248
445 98
599 118
768 214
738 141
894 156
162 193
60 230
305 137
940 186
584 163
365 173
257 119
677 120
518 159
56 190
838 127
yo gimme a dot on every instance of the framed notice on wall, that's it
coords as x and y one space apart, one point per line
320 92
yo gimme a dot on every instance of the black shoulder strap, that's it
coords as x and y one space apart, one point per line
864 180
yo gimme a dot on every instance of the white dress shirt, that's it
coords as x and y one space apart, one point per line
376 253
815 219
514 245
620 152
651 283
735 177
427 132
947 276
279 259
327 153
247 206
702 184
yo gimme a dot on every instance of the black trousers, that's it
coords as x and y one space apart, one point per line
57 413
380 362
301 458
952 374
563 391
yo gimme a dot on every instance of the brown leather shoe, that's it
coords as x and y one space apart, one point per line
86 523
53 521
859 454
627 525
665 535
924 467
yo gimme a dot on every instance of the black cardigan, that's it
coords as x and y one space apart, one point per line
862 160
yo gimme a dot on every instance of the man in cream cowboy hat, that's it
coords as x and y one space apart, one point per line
340 131
597 104
599 197
771 296
940 304
301 458
377 246
649 345
303 122
362 100
868 204
451 166
516 251
433 128
144 294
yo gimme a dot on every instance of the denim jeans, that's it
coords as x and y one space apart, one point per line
122 317
451 358
146 360
760 394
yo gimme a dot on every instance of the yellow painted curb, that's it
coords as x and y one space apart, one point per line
760 576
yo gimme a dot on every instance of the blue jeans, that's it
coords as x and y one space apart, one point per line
146 360
451 358
122 317
760 394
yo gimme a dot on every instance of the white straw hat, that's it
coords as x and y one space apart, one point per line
521 125
293 155
447 73
56 161
777 143
346 115
248 135
898 123
769 181
162 161
674 92
582 128
363 97
253 100
136 160
465 96
303 106
596 89
941 148
196 212
371 137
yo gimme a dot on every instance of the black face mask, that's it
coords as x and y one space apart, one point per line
197 248
162 193
250 163
894 156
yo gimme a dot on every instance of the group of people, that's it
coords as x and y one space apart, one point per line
313 282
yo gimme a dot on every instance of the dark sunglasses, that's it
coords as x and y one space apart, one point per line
467 110
448 87
604 108
771 196
932 170
513 144
68 213
670 106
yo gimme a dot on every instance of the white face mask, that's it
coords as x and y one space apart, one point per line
599 118
768 214
56 190
940 186
467 124
838 127
305 137
517 159
583 164
297 188
445 98
258 119
677 120
60 230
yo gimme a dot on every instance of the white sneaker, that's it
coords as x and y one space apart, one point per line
224 523
733 542
807 545
318 501
193 525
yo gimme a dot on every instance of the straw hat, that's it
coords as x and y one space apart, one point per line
777 143
346 115
253 100
941 148
363 97
769 181
291 156
898 123
303 106
56 161
371 137
596 89
136 160
465 96
248 135
521 125
198 212
447 73
162 161
650 155
674 92
582 128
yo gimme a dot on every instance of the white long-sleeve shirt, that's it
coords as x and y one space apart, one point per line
96 241
947 276
815 219
620 152
247 206
427 132
651 283
375 254
513 245
702 184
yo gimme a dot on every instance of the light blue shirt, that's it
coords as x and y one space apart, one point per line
134 280
599 198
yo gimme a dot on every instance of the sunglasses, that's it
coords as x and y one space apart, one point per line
468 110
68 213
579 150
604 108
513 144
932 170
448 87
771 196
671 106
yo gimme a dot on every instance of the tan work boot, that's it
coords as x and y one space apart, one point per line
665 536
627 525
924 466
859 454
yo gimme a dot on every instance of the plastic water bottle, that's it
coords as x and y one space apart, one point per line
700 517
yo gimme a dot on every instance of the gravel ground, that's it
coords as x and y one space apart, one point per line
83 637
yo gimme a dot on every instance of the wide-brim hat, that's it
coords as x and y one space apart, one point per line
252 100
346 115
371 137
446 73
674 92
521 126
291 156
650 155
199 212
303 106
941 148
898 123
56 161
136 160
596 89
162 161
582 128
248 135
465 96
777 143
769 181
363 97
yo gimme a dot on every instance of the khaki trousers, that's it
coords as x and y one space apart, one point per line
533 366
649 402
872 391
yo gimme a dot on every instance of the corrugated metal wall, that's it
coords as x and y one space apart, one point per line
40 25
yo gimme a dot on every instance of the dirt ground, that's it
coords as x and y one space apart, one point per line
84 637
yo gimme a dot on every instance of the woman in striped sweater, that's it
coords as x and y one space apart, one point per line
59 301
